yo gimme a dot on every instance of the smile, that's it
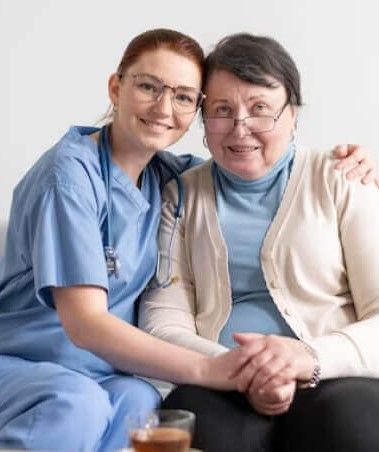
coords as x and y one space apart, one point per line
243 149
155 125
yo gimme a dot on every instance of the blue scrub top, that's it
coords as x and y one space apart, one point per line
55 239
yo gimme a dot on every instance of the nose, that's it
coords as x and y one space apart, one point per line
163 104
239 128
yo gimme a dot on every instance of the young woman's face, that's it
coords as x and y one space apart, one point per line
152 124
240 146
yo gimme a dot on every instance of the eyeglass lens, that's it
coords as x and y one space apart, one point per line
253 123
184 99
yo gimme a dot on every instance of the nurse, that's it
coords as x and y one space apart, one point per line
81 247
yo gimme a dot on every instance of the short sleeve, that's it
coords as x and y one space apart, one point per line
66 241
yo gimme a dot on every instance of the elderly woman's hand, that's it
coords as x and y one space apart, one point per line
357 161
274 398
269 357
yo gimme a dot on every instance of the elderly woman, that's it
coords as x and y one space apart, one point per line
273 242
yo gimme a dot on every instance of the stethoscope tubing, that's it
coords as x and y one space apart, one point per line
112 261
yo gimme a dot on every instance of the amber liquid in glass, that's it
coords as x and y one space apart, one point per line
162 439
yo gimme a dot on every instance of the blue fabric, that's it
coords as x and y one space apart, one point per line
55 239
245 210
47 406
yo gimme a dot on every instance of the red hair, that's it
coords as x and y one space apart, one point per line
155 39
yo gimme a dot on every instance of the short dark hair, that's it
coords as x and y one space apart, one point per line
253 59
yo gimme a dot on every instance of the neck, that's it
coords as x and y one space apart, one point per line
131 160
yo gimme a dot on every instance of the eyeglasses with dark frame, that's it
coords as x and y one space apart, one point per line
148 88
255 123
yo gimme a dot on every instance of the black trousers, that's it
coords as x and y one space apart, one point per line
340 415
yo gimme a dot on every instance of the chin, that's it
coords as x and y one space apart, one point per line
157 144
246 172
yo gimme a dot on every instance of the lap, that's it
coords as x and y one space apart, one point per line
340 414
24 380
43 400
224 420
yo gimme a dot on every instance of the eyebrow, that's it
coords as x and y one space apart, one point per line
188 88
222 100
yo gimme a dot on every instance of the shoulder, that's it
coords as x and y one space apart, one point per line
73 160
314 159
72 164
195 180
319 176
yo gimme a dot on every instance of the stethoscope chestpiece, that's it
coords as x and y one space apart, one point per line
112 261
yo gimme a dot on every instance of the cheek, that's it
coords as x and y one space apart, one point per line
214 143
183 123
275 145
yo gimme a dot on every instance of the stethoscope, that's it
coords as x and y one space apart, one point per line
112 260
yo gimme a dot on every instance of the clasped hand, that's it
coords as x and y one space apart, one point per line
269 369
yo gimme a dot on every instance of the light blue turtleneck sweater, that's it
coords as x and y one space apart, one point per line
245 211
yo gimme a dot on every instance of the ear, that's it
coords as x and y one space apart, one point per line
114 88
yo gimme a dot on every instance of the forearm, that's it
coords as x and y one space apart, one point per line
187 338
86 320
131 350
350 352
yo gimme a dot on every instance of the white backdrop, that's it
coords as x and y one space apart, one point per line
56 57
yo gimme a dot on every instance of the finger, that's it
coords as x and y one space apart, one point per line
369 177
247 374
377 181
285 377
358 171
354 154
245 338
340 151
267 372
246 354
279 394
358 151
273 410
230 363
351 161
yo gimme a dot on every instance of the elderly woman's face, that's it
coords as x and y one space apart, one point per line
247 148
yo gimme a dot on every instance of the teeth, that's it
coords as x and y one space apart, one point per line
155 125
243 149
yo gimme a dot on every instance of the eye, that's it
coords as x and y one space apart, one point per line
260 109
148 87
223 111
185 98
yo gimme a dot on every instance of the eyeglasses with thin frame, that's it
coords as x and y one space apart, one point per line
148 88
255 123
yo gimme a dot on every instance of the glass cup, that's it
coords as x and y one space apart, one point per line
161 431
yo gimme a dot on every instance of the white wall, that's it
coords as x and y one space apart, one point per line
56 57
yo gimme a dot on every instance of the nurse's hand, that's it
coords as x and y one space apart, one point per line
272 356
274 398
219 372
357 162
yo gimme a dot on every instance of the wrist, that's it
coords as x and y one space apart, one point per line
315 375
201 371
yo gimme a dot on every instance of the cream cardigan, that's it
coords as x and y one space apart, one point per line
320 259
